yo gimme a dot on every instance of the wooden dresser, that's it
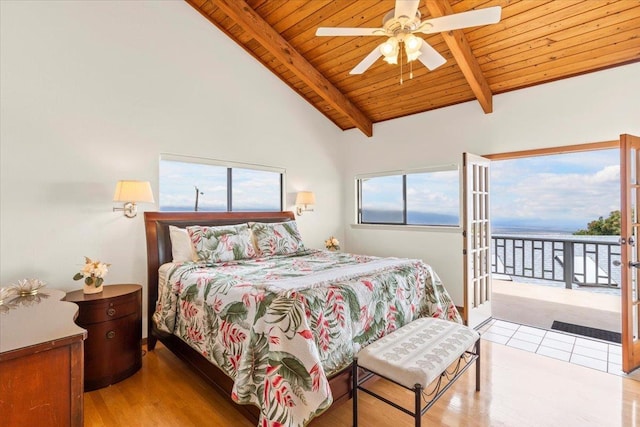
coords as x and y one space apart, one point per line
113 320
41 370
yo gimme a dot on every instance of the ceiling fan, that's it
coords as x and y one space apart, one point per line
399 26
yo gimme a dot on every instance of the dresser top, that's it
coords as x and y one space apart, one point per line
35 319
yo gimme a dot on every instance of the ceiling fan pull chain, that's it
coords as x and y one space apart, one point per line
411 70
401 81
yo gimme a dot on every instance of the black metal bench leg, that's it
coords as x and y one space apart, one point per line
478 365
418 390
354 391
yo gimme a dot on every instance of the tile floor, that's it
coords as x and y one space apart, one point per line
592 353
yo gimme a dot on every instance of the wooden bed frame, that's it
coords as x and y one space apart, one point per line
159 252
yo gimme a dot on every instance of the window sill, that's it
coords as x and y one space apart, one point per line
427 228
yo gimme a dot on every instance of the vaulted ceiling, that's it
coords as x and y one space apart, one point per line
536 41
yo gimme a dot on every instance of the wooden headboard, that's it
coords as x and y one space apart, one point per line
159 244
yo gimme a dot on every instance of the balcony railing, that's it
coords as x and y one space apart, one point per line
574 260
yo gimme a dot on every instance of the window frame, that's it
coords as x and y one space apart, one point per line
229 165
404 225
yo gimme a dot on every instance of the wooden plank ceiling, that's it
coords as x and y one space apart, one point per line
535 42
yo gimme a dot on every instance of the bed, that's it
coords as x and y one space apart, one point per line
274 326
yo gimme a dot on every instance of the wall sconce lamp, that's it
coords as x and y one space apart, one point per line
305 198
131 192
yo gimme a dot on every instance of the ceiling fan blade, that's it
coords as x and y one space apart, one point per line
430 57
472 18
367 61
406 8
349 31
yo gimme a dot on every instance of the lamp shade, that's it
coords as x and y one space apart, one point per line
305 198
133 191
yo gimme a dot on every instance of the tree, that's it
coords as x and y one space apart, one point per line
609 226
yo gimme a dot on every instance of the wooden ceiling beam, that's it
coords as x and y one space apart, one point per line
253 24
461 51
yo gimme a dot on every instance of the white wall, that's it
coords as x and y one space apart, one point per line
591 108
92 92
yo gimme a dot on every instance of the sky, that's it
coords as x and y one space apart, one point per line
432 192
563 191
567 189
251 189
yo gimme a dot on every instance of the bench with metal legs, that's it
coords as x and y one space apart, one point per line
425 356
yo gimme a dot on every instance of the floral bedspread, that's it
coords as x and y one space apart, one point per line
280 326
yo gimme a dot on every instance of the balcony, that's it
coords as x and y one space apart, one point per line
533 285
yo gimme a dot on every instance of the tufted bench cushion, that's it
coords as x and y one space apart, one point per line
418 352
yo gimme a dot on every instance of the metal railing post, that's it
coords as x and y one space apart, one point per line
567 255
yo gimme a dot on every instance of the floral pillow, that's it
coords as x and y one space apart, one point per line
279 238
222 243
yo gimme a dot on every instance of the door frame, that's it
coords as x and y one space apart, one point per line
590 146
630 229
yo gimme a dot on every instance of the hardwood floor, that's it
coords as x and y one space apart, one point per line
518 389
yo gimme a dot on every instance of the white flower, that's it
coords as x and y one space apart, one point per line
87 270
93 272
332 243
100 270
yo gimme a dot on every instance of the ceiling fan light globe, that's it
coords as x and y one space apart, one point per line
412 43
391 59
413 56
386 50
390 47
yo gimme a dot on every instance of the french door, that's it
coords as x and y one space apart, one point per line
630 227
477 240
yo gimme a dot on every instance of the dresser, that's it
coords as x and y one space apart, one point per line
113 320
41 369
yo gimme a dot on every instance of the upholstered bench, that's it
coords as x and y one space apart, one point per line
420 353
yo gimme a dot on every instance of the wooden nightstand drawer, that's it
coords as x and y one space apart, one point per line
112 351
111 309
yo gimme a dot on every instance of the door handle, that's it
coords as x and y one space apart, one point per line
623 241
634 264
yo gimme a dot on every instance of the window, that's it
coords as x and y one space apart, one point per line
422 197
191 183
381 200
255 190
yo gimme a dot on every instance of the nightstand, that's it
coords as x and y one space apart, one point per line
113 320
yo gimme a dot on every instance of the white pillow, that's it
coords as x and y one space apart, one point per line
182 249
